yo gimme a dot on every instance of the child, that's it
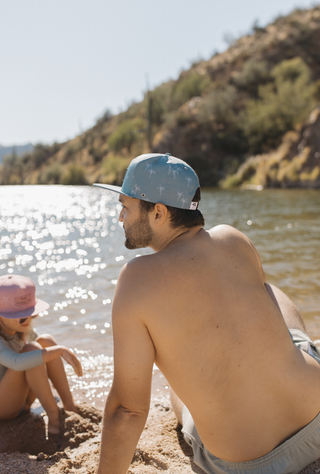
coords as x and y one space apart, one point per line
27 362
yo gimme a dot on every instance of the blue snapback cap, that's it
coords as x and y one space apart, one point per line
161 178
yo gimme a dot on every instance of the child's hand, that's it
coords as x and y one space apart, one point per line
71 359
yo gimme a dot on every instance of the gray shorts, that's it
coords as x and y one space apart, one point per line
289 458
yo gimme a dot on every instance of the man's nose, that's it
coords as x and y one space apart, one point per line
121 216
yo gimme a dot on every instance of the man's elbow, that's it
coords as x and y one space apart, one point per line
126 410
129 413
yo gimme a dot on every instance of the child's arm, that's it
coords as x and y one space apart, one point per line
16 361
28 360
52 352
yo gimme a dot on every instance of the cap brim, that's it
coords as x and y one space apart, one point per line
110 187
38 308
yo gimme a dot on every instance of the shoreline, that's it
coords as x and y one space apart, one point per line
93 388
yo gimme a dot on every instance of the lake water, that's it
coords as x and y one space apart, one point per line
69 241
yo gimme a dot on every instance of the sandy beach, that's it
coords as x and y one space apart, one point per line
24 448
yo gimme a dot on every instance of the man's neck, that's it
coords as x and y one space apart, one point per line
162 242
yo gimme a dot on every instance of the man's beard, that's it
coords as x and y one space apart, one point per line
139 234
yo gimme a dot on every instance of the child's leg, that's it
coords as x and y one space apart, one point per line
14 390
16 386
57 374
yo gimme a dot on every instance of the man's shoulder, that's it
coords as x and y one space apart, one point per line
136 273
227 234
136 284
140 264
224 229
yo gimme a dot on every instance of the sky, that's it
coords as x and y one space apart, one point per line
63 63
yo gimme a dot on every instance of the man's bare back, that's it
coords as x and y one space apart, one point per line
199 307
247 386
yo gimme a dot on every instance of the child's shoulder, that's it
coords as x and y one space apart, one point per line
12 342
32 335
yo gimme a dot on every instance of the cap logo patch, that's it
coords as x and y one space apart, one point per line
22 300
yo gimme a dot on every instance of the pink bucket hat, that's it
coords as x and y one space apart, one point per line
18 298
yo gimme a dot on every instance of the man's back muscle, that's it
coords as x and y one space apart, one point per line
223 345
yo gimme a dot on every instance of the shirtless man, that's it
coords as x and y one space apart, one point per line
200 308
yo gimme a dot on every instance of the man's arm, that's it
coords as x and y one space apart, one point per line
128 402
287 308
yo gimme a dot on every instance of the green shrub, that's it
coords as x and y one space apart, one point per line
219 106
127 133
192 85
219 117
316 90
75 175
12 170
53 174
135 109
232 181
288 172
281 105
291 70
40 154
253 74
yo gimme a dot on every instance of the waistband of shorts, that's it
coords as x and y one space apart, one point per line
277 452
299 335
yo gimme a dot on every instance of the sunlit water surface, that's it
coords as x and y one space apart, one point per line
69 241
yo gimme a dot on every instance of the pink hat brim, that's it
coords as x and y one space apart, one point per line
38 308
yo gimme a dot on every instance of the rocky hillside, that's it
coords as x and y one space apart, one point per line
215 115
296 162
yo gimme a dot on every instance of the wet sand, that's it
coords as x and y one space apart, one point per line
24 448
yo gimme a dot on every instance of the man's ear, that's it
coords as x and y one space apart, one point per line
160 213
